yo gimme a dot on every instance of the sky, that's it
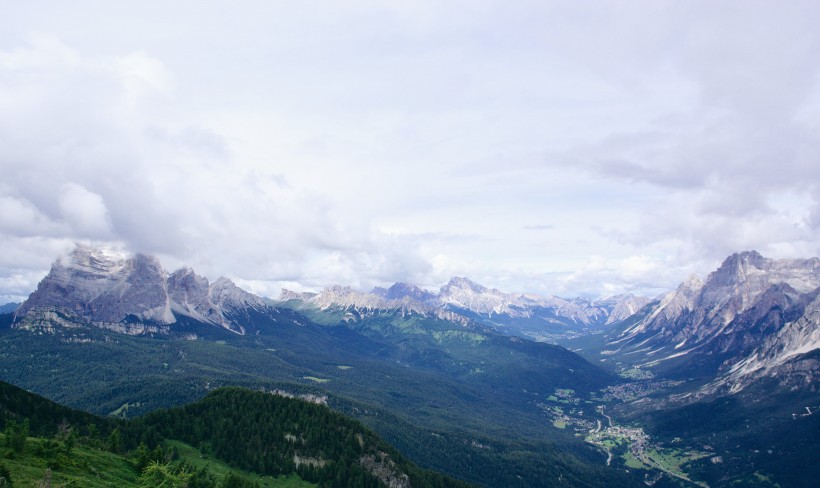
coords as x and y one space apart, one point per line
554 147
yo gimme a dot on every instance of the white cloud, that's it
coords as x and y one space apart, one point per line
558 147
84 211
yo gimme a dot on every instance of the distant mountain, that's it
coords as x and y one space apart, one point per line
104 287
753 316
464 301
621 307
343 303
401 291
462 293
131 294
8 307
295 295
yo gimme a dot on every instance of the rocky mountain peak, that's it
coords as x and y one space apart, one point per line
624 306
185 286
400 291
103 286
461 283
286 295
225 294
718 322
106 288
759 272
465 293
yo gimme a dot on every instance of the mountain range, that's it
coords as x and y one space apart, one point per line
135 294
464 301
712 372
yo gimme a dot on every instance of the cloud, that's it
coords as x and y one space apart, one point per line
20 217
559 147
84 211
78 170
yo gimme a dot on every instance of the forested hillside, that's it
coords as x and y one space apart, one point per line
250 439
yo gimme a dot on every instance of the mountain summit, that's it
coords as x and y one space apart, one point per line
102 286
133 294
750 317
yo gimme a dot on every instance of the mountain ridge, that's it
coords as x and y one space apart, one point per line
110 289
747 318
116 290
466 302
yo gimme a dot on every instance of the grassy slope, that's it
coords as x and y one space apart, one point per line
91 467
84 466
198 460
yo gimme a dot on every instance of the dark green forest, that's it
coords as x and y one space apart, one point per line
255 432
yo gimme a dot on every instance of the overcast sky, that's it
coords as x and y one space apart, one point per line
569 148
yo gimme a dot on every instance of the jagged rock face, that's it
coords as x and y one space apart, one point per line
462 301
144 294
784 353
286 295
190 292
347 297
385 469
401 291
463 293
104 287
621 307
711 327
466 294
224 294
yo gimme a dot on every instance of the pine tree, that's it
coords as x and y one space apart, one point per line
114 440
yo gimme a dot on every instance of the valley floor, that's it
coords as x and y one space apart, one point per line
627 446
